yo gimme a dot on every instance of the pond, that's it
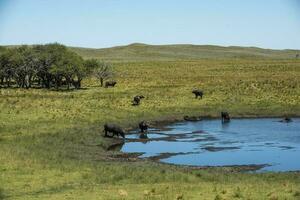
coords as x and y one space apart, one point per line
266 142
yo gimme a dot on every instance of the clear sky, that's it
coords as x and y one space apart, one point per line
105 23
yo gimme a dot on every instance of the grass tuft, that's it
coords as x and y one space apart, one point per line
297 194
218 197
238 193
1 194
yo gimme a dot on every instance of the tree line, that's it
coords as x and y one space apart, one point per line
47 66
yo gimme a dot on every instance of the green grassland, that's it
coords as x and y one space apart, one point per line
51 144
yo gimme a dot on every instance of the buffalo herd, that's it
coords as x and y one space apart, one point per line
143 125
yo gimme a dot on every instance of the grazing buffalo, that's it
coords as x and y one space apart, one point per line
225 116
143 126
114 129
137 99
198 93
110 84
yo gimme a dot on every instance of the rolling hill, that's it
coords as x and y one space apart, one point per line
144 52
174 52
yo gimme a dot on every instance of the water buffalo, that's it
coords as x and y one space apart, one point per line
143 136
143 126
110 84
137 99
192 118
225 116
286 120
198 93
115 129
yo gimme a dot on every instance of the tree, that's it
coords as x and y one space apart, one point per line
75 70
25 64
7 66
102 71
47 65
2 66
50 58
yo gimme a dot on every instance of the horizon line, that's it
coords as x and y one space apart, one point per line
148 44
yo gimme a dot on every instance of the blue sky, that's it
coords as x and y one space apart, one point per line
104 23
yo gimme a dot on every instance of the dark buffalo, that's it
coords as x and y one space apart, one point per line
225 116
143 136
114 129
286 120
198 93
137 99
143 126
110 84
192 118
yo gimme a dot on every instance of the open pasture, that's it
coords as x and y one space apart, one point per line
51 144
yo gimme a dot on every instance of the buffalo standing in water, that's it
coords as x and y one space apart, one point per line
192 118
225 117
143 126
286 120
114 129
137 99
198 93
110 84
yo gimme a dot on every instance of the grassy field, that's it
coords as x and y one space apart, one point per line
51 144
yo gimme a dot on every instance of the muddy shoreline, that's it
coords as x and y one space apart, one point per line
134 157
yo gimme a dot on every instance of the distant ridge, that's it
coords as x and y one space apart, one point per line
172 52
145 52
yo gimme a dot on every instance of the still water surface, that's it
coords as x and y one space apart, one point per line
211 143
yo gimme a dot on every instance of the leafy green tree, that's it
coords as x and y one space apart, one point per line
51 65
49 56
25 63
75 69
7 66
2 66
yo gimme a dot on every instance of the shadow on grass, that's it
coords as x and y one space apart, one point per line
67 90
62 89
1 194
45 191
